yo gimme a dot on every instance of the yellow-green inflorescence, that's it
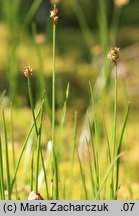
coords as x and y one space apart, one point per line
113 54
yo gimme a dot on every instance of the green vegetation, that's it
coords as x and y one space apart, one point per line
68 130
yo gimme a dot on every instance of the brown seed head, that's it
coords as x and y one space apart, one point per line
53 15
113 54
34 196
27 71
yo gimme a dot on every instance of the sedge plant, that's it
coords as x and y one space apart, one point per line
113 55
97 178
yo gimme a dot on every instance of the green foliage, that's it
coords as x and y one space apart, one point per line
46 127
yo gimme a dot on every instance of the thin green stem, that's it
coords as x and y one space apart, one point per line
107 137
45 175
32 170
90 168
94 140
53 86
82 176
6 156
38 151
1 173
107 174
62 118
13 148
32 107
114 128
72 155
119 149
23 149
115 111
54 161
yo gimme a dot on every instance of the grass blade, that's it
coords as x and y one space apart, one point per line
56 177
119 148
1 173
39 149
32 170
13 149
34 7
53 85
106 175
107 137
94 138
45 176
62 118
6 155
31 103
23 148
82 176
72 154
90 169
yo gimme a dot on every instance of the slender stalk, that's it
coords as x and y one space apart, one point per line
54 161
56 176
38 151
53 85
45 175
6 156
37 165
32 170
115 111
13 149
1 173
23 149
119 149
94 140
107 174
114 128
51 187
107 137
96 164
62 118
82 176
90 168
32 107
72 155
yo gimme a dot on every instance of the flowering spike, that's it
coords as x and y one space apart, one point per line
113 54
27 70
53 15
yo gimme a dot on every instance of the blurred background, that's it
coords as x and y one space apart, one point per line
86 29
85 32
